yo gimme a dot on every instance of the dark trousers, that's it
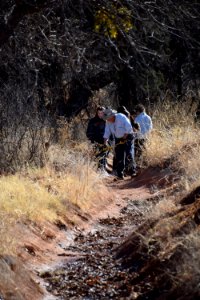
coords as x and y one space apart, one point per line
130 165
101 156
139 145
124 155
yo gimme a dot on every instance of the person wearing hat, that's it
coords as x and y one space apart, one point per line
123 110
118 125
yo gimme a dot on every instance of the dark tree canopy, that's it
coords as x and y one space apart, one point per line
59 51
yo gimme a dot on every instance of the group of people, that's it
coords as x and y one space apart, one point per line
126 131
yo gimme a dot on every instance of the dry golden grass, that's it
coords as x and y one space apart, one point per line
176 139
163 207
46 193
176 135
73 175
24 199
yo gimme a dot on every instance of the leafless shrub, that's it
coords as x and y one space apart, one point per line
66 58
25 132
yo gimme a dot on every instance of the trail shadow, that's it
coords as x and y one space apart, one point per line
149 177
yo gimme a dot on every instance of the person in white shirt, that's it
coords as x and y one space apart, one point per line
145 123
120 127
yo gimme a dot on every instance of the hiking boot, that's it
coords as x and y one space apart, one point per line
121 177
114 173
133 174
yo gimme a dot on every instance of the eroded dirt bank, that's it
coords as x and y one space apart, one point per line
91 270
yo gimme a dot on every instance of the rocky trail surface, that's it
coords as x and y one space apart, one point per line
91 270
95 273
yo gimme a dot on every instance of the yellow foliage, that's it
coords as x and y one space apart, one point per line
110 22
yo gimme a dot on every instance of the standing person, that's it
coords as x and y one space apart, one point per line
124 111
120 127
145 124
95 131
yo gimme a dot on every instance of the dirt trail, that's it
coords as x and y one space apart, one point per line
88 268
64 261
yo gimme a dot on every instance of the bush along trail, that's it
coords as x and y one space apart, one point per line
95 273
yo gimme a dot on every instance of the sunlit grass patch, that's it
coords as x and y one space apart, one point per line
49 193
79 185
165 143
24 199
176 136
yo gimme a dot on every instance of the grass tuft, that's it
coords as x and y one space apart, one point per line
175 138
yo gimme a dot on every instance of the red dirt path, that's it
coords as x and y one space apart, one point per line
41 245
